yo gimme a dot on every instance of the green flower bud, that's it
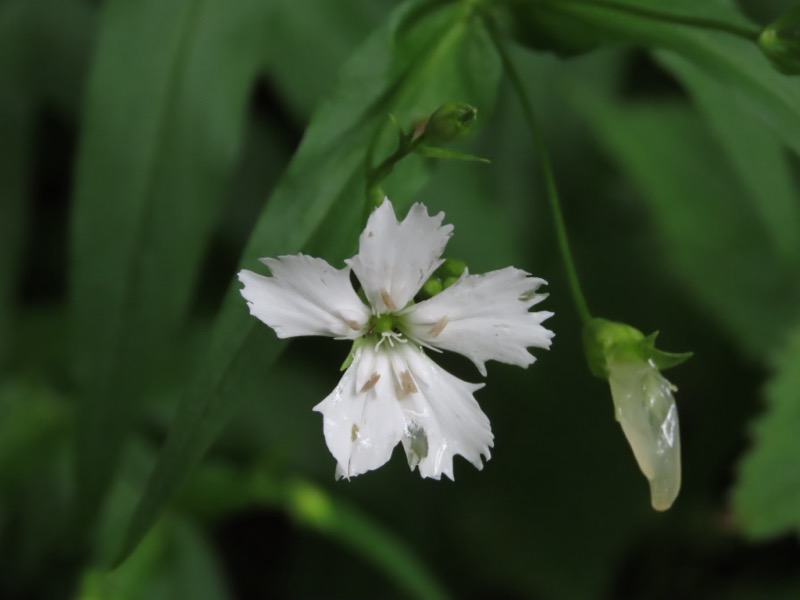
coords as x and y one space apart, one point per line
432 287
644 404
780 42
449 122
449 281
602 337
453 267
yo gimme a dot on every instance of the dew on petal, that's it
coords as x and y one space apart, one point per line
415 442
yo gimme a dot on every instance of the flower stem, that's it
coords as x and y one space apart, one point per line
549 178
749 34
408 143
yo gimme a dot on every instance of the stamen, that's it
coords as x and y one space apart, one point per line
370 382
352 324
387 300
438 328
354 433
391 337
407 385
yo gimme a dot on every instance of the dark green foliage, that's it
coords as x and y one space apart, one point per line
149 150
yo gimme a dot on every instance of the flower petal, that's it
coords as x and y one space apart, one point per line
645 408
362 418
442 417
395 258
305 296
484 317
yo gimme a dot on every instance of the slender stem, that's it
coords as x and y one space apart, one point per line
375 175
656 15
549 179
404 149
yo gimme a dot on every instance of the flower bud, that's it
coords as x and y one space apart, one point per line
453 267
449 281
780 42
432 287
644 404
449 122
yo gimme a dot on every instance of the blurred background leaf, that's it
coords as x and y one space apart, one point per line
324 186
767 497
691 188
44 46
145 207
760 160
676 154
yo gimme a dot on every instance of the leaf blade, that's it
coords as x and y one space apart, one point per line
703 216
144 209
766 497
326 171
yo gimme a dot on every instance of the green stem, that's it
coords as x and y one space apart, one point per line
549 178
375 175
656 15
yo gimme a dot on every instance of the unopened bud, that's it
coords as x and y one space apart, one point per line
449 122
644 402
449 281
780 42
432 287
453 266
600 336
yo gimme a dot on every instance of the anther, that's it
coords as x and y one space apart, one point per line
370 382
438 328
387 300
407 385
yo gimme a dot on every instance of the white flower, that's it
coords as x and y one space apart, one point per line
391 391
645 408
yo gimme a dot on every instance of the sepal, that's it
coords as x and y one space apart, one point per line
663 360
606 340
602 337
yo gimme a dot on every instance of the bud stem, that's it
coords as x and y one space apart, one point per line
549 177
656 15
375 175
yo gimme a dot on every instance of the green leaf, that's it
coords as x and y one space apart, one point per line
174 561
436 152
215 490
345 524
736 63
755 152
16 133
162 126
45 48
708 225
305 72
766 498
32 420
406 69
